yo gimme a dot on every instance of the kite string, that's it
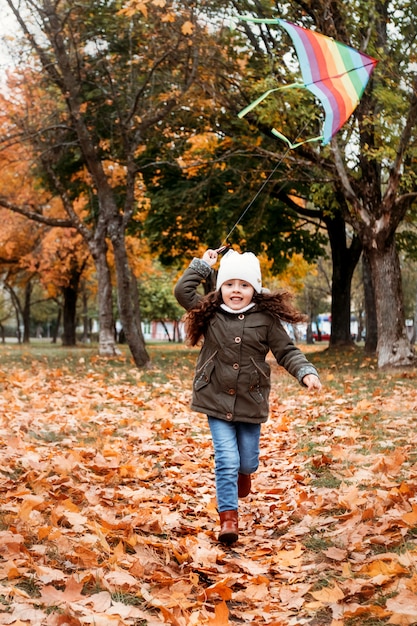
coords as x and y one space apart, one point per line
261 188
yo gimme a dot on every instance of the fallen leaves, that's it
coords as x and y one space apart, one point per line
108 512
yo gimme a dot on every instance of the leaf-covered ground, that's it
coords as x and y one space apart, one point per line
108 513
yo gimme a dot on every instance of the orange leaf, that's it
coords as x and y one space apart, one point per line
404 604
72 593
411 517
121 579
187 28
169 617
220 588
386 568
354 610
289 558
29 503
221 615
43 532
11 570
328 595
336 554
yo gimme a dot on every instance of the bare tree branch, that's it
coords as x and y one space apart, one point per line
34 215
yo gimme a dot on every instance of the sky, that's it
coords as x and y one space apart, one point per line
8 26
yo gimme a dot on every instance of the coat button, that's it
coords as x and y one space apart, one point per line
231 392
229 416
241 316
238 339
235 366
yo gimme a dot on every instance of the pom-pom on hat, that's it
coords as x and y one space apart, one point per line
242 267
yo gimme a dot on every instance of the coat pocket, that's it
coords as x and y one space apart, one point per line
259 382
203 374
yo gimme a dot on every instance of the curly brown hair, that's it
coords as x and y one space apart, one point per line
278 304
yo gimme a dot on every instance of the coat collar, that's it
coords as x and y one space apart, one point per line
237 312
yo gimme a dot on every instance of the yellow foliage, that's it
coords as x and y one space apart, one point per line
140 256
301 202
115 172
187 28
196 156
133 7
294 276
168 17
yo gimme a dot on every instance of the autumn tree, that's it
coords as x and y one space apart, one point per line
35 252
116 75
61 265
362 186
18 240
225 179
371 161
53 260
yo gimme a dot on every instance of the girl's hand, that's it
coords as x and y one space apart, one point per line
210 257
312 382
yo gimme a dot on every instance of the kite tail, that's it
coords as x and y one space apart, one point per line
275 132
255 103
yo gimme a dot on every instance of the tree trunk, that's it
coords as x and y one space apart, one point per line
107 342
17 309
26 312
344 260
371 337
70 293
165 327
126 286
57 325
413 338
394 348
86 326
68 318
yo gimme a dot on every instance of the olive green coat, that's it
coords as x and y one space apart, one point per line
232 379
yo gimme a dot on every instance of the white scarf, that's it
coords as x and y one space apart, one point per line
245 308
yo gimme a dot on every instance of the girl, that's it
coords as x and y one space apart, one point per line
239 323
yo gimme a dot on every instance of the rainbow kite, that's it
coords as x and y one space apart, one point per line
335 73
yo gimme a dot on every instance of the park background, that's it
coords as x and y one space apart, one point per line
123 157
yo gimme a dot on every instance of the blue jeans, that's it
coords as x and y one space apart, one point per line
236 449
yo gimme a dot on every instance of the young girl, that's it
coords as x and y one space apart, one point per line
239 323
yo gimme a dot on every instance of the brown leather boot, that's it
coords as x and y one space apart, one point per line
228 527
244 484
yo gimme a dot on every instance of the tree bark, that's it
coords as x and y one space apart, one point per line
55 333
26 312
106 339
126 286
86 326
371 336
69 315
70 293
17 309
344 261
414 335
394 348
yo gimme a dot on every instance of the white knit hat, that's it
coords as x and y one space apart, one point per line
242 267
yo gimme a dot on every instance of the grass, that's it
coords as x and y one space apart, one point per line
324 478
165 356
168 360
29 586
